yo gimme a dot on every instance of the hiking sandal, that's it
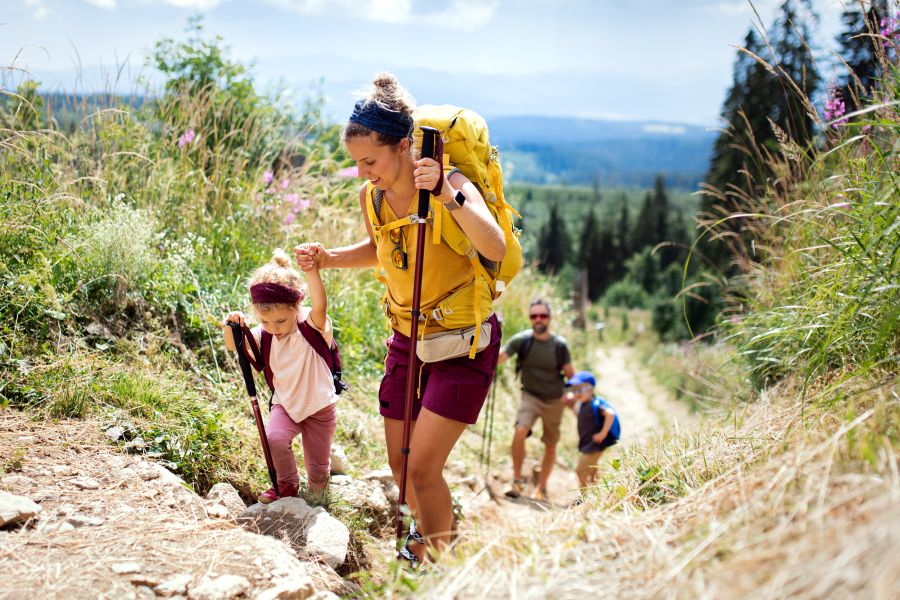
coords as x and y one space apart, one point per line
517 489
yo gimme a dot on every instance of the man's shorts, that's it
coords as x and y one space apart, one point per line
455 388
550 413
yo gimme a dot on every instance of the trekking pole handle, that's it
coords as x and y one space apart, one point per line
429 135
237 335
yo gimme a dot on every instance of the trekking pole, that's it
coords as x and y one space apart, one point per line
238 335
429 135
487 441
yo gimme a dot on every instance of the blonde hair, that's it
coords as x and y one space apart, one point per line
278 270
387 92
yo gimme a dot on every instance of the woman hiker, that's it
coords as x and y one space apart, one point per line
379 137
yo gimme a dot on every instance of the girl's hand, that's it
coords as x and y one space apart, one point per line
427 174
598 438
235 316
309 256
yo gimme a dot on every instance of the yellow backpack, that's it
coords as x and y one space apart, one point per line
467 147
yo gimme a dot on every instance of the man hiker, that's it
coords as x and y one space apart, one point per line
544 362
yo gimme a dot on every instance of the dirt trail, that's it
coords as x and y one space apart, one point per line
643 407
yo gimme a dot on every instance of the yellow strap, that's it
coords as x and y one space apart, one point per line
483 275
437 209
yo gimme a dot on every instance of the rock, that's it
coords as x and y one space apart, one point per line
131 566
327 538
363 494
339 463
177 584
384 476
16 480
225 495
295 588
63 470
16 509
123 474
55 527
115 432
217 511
219 588
85 521
85 483
311 531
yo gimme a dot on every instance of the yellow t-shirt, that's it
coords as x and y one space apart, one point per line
443 272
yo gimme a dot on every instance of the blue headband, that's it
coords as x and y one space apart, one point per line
374 116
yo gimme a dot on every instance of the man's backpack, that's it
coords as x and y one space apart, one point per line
330 354
467 147
525 348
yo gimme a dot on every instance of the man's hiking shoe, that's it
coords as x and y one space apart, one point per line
541 495
268 496
518 487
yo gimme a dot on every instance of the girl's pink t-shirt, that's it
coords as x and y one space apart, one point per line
302 380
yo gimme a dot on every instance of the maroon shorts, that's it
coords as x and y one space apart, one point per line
454 388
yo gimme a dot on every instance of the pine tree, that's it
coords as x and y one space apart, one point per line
661 216
644 232
758 99
554 243
859 49
622 239
592 257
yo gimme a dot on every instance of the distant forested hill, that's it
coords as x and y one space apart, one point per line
561 150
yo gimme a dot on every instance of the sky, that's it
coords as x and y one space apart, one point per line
660 60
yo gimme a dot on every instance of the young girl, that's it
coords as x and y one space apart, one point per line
379 138
303 402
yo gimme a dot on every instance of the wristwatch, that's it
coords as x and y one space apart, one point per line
457 201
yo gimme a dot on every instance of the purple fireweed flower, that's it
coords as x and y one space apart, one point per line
291 198
889 29
186 138
348 172
302 204
268 176
835 108
285 184
290 218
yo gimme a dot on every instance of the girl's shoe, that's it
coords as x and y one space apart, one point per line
407 554
269 496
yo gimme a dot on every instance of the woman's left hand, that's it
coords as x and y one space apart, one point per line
427 174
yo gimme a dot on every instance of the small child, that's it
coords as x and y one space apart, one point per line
304 395
598 424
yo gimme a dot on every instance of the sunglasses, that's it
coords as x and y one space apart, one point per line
536 316
399 258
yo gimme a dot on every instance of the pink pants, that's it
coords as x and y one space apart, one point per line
317 431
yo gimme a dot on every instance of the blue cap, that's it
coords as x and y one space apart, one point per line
582 377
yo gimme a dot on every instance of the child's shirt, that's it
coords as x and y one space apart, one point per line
303 383
588 425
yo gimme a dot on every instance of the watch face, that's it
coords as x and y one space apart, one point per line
459 198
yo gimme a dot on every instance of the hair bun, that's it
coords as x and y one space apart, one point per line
280 258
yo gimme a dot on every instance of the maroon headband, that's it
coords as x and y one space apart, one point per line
274 293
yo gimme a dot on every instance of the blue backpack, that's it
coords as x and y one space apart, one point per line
615 430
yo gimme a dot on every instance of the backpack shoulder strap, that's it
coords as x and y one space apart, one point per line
317 341
524 349
266 343
595 404
560 347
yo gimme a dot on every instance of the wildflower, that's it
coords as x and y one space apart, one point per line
290 218
302 204
186 138
348 172
835 108
285 184
268 176
291 198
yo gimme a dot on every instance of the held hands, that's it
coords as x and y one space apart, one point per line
598 437
310 256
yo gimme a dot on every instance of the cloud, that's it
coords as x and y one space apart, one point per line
466 15
107 4
40 9
197 4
